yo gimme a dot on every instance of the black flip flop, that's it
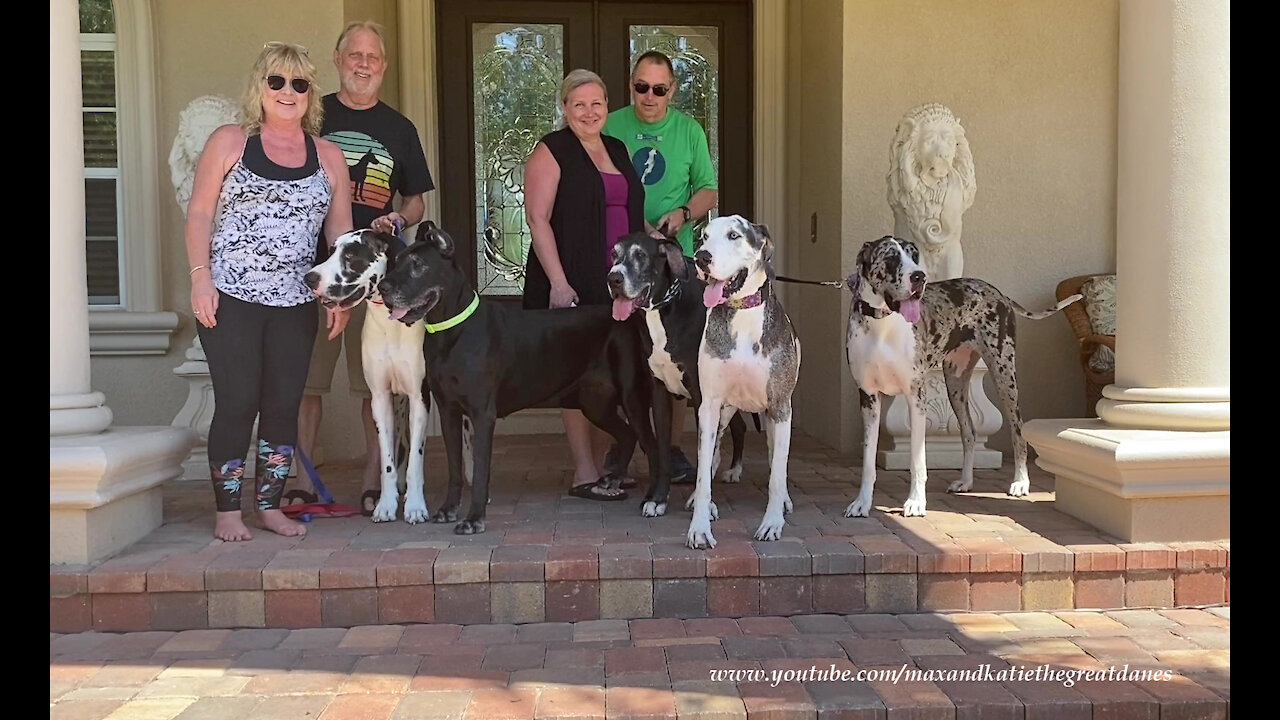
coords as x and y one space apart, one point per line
591 491
302 496
366 508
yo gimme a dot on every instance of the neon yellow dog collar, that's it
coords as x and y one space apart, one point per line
456 319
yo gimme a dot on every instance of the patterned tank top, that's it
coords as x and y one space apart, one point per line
265 227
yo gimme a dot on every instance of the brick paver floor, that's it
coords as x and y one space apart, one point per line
710 668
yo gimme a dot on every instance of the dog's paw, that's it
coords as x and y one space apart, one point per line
861 507
715 511
469 527
416 512
653 509
385 510
913 507
787 505
732 475
770 528
961 485
445 516
1020 488
700 536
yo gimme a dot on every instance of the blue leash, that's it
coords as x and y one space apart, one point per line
321 490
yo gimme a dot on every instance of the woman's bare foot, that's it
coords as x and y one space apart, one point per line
276 522
230 527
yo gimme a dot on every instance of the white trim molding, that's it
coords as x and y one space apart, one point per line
137 326
119 332
417 64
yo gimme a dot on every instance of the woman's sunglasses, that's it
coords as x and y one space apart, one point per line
300 85
643 87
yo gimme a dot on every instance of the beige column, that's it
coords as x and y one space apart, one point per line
1157 465
73 407
104 483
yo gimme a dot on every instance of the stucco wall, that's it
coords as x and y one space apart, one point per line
1034 84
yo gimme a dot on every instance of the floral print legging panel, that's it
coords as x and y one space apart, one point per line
258 357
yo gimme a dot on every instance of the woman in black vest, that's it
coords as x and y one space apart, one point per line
581 195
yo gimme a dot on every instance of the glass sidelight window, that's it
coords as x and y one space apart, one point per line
517 70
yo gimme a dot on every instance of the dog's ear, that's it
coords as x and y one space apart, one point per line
911 249
665 229
440 239
766 247
863 262
378 242
675 259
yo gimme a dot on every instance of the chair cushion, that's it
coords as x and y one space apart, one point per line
1100 304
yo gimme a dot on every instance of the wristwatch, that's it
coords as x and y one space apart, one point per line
688 214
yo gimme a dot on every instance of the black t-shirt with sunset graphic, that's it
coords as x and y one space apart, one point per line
384 156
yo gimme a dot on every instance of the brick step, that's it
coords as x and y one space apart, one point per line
978 665
242 586
549 557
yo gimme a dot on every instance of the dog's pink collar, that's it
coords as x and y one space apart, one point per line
753 300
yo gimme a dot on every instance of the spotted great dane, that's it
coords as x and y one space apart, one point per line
900 327
749 360
392 357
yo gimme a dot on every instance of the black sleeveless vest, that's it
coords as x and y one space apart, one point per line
577 219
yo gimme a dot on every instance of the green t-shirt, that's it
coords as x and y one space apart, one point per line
672 159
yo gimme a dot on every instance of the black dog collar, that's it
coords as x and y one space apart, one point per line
673 292
867 310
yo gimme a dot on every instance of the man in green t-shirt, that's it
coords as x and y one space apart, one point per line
668 149
670 154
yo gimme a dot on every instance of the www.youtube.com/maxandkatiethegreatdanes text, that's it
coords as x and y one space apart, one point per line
982 673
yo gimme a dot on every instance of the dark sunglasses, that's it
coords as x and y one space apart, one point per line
643 87
300 85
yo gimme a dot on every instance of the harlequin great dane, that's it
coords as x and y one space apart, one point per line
486 360
749 360
392 357
651 275
899 328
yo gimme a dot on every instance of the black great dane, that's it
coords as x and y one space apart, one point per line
486 360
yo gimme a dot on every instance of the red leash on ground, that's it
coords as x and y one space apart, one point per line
328 508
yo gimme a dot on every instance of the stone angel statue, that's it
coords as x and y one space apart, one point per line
196 123
931 184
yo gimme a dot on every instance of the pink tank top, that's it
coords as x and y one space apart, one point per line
615 212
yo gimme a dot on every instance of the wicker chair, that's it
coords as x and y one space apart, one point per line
1076 314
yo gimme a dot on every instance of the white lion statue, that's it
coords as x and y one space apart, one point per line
931 184
196 123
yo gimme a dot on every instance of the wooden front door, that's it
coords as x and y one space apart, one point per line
500 64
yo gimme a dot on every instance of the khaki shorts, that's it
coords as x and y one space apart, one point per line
324 355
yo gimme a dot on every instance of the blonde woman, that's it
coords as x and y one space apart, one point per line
263 191
581 194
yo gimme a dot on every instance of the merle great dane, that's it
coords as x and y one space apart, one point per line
899 328
749 360
652 275
486 360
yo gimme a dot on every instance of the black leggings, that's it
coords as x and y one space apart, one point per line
258 357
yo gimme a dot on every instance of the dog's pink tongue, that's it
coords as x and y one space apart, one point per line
910 310
399 312
714 294
622 309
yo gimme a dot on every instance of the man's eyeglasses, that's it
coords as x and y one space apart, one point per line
642 87
300 85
